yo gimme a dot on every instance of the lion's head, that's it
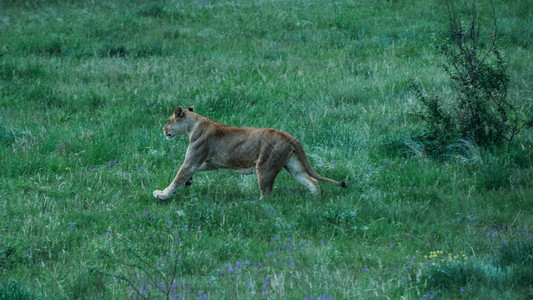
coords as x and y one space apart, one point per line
176 124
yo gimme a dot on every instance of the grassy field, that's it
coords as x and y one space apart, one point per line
86 87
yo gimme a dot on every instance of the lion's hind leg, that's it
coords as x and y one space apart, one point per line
265 178
189 183
268 166
297 170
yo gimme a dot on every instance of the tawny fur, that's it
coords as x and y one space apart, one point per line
213 145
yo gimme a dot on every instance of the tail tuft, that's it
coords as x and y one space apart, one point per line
343 185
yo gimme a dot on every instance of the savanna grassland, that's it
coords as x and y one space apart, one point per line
86 87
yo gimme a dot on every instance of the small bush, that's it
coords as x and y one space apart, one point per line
452 275
494 173
482 110
154 10
6 136
110 50
13 291
508 265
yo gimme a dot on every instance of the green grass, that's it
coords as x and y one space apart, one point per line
85 89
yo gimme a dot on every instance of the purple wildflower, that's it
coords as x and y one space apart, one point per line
176 297
291 262
71 227
265 286
144 285
325 296
202 296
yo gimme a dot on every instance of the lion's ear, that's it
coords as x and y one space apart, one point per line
178 112
191 108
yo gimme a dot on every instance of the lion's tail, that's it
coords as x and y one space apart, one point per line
305 162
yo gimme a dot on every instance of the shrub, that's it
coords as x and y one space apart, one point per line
13 291
482 110
508 265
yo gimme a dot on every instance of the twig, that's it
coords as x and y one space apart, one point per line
120 277
493 42
129 265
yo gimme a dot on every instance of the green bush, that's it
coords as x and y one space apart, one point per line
481 110
12 291
507 266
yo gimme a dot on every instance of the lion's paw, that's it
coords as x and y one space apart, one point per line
160 195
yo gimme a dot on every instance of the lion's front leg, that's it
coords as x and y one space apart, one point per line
184 175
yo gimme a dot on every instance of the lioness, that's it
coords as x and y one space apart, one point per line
213 145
